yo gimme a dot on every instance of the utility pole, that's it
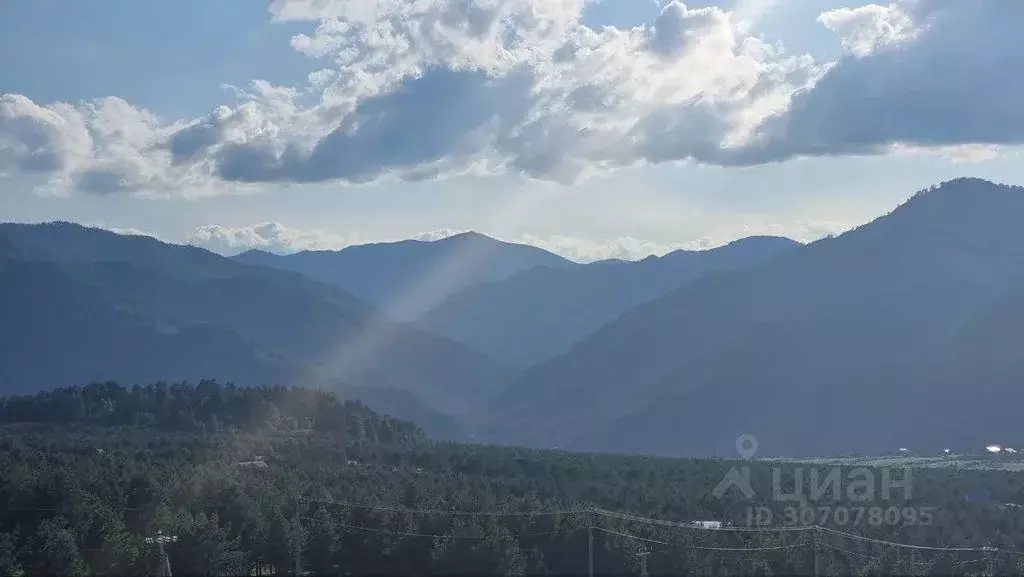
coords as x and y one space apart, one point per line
643 562
160 539
590 550
814 536
297 543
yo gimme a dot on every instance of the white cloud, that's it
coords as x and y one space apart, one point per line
418 89
103 146
435 235
959 154
280 239
423 88
628 248
131 232
866 29
121 230
269 236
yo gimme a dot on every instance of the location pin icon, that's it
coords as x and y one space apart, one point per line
746 445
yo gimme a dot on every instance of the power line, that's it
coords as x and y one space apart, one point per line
56 509
738 549
841 550
698 526
904 545
629 536
438 535
962 563
658 522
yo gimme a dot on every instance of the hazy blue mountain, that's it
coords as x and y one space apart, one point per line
134 309
539 313
7 249
840 345
55 330
971 391
407 278
66 242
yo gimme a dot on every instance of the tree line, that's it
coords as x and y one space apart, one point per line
248 479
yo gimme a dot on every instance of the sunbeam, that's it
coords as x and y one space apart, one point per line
354 357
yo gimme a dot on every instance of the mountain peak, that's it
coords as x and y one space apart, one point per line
469 235
958 199
967 189
254 253
762 240
409 277
958 210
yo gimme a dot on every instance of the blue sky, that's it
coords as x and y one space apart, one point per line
319 123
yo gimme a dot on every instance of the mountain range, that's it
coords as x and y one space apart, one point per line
79 304
518 304
902 332
880 338
406 279
539 313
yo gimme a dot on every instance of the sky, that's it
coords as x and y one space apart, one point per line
593 128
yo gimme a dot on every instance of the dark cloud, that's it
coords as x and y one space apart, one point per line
249 163
101 181
428 119
960 82
40 160
188 142
697 127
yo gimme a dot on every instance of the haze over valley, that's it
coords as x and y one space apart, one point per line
911 318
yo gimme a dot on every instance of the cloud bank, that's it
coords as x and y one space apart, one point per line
280 239
267 236
422 89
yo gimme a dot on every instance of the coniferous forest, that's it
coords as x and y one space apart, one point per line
251 480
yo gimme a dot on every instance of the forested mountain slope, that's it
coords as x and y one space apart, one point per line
89 304
819 351
54 330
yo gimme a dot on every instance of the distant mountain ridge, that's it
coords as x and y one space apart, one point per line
539 313
83 304
847 344
407 278
901 332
